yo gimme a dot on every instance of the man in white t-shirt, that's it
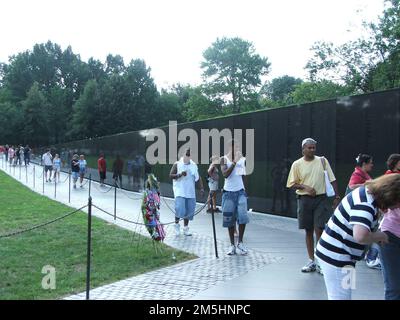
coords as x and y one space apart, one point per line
185 174
234 197
47 159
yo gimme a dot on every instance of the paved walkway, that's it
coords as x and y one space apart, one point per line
271 270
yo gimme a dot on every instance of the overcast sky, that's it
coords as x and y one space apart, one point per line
171 35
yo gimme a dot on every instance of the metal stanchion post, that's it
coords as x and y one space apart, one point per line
43 179
34 176
19 171
115 200
90 184
55 187
89 245
14 171
213 224
69 186
26 174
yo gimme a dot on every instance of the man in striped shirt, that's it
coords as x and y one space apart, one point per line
348 232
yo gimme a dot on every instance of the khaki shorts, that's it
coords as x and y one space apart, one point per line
313 212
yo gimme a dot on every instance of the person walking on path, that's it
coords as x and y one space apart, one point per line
75 169
390 253
82 169
18 156
6 152
27 155
314 209
213 184
102 167
185 174
117 168
57 168
349 231
234 197
47 159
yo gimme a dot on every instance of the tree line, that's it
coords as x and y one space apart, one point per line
49 95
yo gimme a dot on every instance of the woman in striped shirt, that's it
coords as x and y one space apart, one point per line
348 232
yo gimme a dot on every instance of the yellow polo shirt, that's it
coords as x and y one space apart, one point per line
309 173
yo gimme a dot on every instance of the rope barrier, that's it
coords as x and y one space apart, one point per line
86 182
126 194
41 225
130 221
66 178
95 185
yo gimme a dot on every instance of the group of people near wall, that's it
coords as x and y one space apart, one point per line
52 167
184 174
342 237
339 230
15 155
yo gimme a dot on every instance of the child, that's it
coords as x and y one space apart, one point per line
75 169
82 168
213 179
57 167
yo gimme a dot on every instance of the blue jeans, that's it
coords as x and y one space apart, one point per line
234 207
185 207
390 260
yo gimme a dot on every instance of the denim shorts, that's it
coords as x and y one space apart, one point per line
234 208
184 207
75 175
213 185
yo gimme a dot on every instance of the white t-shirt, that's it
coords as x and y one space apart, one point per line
47 159
235 181
185 185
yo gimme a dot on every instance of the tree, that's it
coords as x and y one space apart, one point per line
35 108
232 68
365 64
307 92
86 113
170 107
199 106
143 103
279 89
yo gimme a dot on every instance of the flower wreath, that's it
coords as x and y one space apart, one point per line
150 209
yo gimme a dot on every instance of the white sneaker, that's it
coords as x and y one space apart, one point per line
242 249
186 231
177 229
231 251
374 264
309 267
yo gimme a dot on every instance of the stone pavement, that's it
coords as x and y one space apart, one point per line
271 270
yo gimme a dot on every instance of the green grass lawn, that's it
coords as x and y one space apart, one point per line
116 253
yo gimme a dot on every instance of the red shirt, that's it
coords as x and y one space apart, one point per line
101 164
358 177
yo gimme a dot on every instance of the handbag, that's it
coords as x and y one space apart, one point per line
330 192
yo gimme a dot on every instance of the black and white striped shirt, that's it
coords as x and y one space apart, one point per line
337 245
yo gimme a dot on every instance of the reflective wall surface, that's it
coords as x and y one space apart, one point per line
343 128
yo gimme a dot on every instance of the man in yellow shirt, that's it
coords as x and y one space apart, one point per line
307 177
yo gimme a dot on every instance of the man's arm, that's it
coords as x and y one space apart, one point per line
226 172
173 173
311 191
336 201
